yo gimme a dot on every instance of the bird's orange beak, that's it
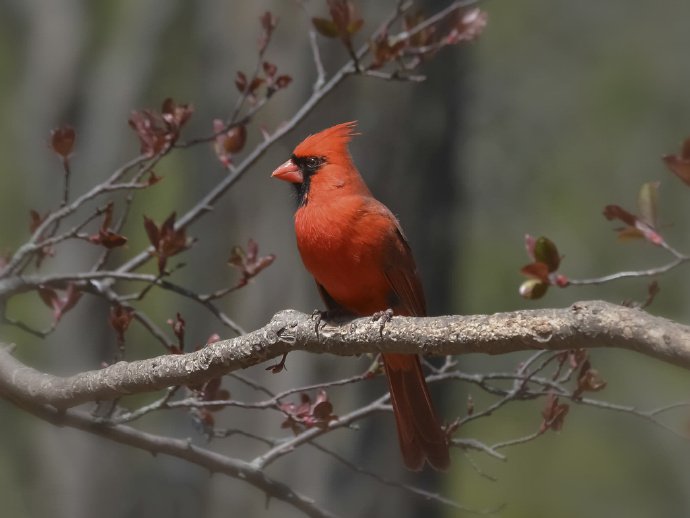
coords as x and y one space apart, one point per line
289 172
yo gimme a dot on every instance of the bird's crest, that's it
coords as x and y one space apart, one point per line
329 143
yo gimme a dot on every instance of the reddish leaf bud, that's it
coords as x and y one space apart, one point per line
554 414
533 289
241 82
62 140
268 24
325 27
283 81
235 139
545 251
647 202
680 164
530 241
166 239
60 304
178 327
561 281
249 263
269 69
120 318
537 271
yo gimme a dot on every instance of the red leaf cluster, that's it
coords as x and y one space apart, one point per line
468 27
383 50
62 141
282 81
158 131
588 380
554 414
542 270
680 164
272 80
249 263
106 237
210 391
269 69
343 23
643 226
308 414
248 87
268 24
119 320
60 304
166 240
425 42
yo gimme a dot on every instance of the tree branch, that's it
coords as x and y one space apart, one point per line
585 324
179 448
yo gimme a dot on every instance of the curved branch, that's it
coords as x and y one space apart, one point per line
179 448
582 325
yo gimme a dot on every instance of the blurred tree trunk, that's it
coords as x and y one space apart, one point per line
432 203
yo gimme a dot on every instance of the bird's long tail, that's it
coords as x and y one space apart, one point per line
420 434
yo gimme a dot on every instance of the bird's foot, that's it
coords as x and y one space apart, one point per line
321 318
383 317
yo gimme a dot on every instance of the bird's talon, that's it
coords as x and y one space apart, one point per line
383 317
319 317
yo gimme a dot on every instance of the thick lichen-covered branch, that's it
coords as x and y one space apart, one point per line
582 325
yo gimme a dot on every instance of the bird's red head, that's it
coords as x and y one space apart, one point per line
326 147
322 163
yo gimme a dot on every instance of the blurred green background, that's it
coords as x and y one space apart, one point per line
560 108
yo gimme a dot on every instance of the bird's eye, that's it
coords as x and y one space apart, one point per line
312 162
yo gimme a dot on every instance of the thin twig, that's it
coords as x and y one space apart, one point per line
407 488
179 448
650 272
30 246
309 434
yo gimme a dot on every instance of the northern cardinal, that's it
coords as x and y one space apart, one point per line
355 249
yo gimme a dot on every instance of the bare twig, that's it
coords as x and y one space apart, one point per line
33 244
287 446
102 279
179 448
407 488
650 272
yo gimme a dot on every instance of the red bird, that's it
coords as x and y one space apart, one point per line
355 249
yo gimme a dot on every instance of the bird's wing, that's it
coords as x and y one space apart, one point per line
403 277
